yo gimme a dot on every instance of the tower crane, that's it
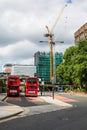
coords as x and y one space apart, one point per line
51 41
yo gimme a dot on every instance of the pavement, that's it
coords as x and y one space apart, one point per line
6 109
9 110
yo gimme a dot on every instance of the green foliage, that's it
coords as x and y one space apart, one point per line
74 68
67 89
69 54
3 85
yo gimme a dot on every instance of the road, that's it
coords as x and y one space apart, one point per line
74 118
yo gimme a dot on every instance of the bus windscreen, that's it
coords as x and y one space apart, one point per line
32 80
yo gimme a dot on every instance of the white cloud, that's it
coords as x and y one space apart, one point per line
28 61
22 25
20 49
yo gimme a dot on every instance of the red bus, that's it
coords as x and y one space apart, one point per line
31 86
13 85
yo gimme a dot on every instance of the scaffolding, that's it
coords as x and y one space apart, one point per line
42 62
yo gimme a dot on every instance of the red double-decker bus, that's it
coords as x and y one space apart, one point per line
13 85
31 86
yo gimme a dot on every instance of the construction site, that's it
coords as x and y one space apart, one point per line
42 63
46 63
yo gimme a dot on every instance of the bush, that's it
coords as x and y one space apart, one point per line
4 89
67 89
78 90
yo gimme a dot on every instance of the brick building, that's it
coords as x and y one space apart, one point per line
81 33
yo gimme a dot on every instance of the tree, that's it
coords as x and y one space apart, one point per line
3 84
81 62
74 68
60 72
65 70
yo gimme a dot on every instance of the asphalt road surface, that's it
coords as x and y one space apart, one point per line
74 118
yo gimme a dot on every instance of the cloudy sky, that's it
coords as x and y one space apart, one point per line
23 25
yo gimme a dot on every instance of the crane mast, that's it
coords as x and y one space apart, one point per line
51 42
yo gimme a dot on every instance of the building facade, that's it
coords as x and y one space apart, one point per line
19 69
81 33
42 63
7 68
